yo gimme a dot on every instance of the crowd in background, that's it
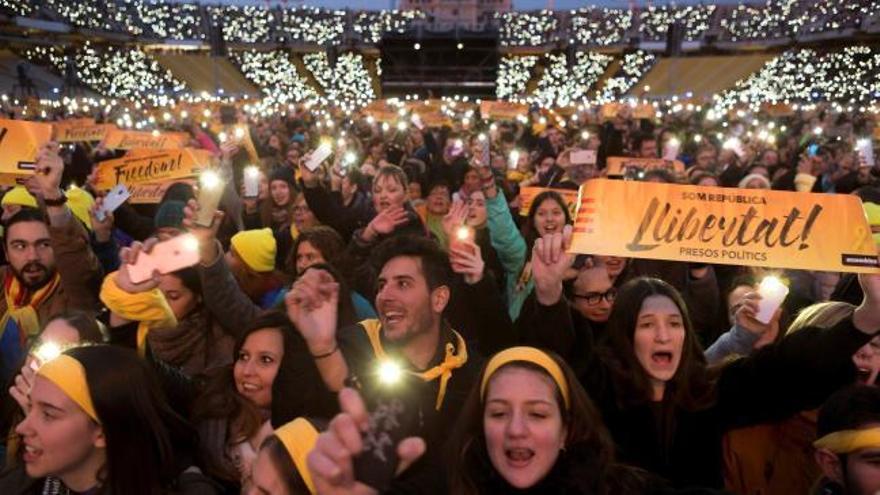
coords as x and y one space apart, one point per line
389 321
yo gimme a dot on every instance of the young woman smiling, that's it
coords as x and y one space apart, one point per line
666 409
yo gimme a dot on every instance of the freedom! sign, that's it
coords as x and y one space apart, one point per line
149 166
117 139
776 229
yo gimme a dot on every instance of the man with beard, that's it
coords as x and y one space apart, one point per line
51 266
848 447
413 290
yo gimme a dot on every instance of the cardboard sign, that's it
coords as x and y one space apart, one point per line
502 110
618 165
152 193
149 166
528 194
117 139
20 141
776 229
80 130
644 111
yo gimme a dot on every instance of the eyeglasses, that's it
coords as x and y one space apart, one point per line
594 298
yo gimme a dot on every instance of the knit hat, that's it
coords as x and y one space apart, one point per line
19 195
285 174
745 180
256 248
872 211
169 214
80 203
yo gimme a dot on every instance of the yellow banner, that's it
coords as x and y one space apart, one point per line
149 166
619 165
503 110
527 195
79 130
152 193
776 229
20 141
117 139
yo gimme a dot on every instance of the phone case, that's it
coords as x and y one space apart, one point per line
583 157
113 200
318 157
209 198
251 185
166 257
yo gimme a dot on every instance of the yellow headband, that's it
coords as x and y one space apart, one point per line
529 355
70 376
847 441
298 438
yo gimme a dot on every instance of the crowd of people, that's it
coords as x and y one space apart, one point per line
393 321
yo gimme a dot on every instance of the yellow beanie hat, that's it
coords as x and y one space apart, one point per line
256 248
872 212
19 195
80 203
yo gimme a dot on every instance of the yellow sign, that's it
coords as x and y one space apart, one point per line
20 141
503 110
149 166
78 130
127 140
528 194
152 193
618 166
776 229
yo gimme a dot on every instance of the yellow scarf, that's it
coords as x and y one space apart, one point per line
21 305
443 370
149 309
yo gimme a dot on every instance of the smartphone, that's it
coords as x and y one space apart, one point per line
113 200
583 157
227 115
812 150
394 415
251 182
318 156
417 121
210 192
166 257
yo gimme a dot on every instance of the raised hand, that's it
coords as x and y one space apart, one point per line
745 319
455 218
312 304
103 229
128 256
330 462
49 167
20 390
867 316
385 222
466 260
549 264
205 235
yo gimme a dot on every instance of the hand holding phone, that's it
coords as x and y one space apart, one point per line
113 200
210 191
251 182
318 156
164 257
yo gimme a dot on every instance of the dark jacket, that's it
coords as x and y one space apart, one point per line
793 375
330 210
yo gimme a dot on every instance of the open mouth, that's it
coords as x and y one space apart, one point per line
249 387
662 358
519 457
31 454
392 317
863 375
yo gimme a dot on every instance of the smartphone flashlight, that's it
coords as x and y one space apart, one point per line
239 133
773 292
389 372
46 352
463 233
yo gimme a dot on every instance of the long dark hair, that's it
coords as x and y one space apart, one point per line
143 432
326 240
530 233
692 386
589 448
220 399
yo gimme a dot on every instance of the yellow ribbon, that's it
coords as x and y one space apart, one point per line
299 437
529 355
451 361
847 441
22 308
150 308
70 376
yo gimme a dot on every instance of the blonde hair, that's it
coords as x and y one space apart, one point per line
822 315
